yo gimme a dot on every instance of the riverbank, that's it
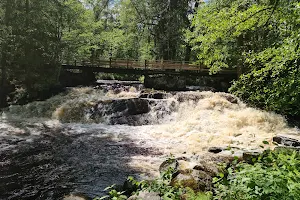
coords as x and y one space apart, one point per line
75 142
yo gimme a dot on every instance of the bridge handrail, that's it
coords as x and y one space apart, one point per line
146 64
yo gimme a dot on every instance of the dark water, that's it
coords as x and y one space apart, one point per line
41 158
58 162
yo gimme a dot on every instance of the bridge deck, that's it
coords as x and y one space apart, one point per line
146 67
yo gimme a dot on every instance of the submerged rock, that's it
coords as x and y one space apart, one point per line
155 95
215 149
229 97
286 141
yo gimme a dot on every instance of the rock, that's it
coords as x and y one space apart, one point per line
165 82
250 155
145 196
137 106
135 120
210 168
198 177
286 141
230 98
170 163
121 107
121 111
74 197
155 95
215 150
189 96
200 88
144 95
194 179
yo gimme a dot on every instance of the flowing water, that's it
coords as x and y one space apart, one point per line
86 139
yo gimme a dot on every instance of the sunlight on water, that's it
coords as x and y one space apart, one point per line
184 124
189 121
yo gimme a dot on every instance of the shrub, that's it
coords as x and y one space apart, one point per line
273 176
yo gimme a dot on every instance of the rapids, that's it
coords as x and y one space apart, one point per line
52 148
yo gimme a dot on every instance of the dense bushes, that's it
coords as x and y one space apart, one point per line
274 175
262 37
275 86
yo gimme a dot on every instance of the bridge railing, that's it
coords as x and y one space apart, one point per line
148 64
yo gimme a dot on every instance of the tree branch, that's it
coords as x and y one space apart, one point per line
273 10
249 17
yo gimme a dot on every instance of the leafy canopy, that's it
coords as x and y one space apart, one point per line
260 36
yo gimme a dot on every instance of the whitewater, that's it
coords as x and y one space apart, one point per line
85 139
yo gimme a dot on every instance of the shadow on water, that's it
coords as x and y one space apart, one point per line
57 162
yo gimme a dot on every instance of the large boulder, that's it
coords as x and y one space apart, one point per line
121 111
165 82
121 107
197 176
197 180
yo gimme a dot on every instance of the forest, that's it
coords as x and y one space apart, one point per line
260 36
83 138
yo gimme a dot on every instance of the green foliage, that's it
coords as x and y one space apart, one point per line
192 195
275 85
274 176
162 186
113 194
142 79
34 36
261 37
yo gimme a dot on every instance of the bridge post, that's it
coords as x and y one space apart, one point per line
110 59
75 63
127 63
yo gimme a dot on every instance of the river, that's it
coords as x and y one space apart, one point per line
85 139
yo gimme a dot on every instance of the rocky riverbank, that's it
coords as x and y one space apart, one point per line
80 139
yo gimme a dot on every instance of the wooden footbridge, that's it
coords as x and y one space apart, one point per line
126 66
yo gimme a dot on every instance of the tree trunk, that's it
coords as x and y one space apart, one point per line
188 48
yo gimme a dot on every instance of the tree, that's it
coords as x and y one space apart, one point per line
166 22
260 36
5 18
32 42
